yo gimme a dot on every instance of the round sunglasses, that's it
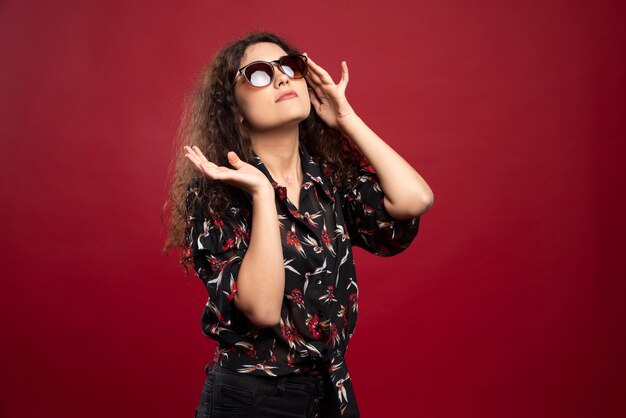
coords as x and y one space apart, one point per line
261 73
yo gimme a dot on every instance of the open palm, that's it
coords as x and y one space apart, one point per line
244 175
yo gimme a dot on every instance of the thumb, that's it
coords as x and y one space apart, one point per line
234 160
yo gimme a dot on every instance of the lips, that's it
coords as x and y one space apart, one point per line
287 95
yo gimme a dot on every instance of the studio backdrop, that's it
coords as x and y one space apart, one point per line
510 301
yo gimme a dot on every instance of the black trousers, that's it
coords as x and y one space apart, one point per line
227 393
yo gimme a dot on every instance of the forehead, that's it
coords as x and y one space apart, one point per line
262 51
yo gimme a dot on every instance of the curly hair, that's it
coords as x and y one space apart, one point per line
211 121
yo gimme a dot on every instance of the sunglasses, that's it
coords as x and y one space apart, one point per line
261 73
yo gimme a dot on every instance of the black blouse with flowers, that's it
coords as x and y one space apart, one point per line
320 305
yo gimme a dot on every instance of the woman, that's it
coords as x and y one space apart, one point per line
275 197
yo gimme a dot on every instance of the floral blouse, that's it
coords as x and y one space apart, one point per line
320 305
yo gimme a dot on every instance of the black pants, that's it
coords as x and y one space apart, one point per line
227 393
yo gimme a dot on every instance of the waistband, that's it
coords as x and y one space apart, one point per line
306 382
318 367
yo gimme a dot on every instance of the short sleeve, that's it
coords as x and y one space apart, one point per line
369 224
217 242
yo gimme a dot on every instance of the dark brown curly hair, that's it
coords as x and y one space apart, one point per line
211 120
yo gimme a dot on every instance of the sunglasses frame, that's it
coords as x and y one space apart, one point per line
272 64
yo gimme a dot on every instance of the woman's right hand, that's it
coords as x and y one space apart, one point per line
245 176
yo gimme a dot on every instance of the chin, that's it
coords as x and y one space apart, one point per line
283 117
295 115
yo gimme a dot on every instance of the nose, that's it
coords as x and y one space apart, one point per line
279 76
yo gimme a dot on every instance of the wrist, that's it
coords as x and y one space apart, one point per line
347 122
264 192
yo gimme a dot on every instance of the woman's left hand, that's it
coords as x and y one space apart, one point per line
329 99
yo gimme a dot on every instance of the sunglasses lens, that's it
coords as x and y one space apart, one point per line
259 74
294 66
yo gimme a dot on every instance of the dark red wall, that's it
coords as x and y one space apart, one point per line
511 301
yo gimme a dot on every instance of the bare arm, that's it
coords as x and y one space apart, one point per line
407 195
261 276
261 280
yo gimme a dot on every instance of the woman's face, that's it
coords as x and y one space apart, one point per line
260 106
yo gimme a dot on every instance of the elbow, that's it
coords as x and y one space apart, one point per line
261 316
265 320
427 203
423 202
415 206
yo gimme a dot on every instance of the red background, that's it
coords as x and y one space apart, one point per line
511 301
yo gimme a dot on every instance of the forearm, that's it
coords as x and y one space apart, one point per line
407 194
261 278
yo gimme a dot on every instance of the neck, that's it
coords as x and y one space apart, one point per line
278 149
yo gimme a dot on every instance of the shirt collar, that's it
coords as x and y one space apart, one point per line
311 170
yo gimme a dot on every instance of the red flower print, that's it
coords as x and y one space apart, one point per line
282 192
228 244
292 238
325 237
288 333
216 264
217 220
330 295
296 294
315 327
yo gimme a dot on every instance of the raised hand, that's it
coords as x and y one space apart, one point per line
244 175
329 99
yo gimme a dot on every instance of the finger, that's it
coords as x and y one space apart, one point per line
313 73
322 73
217 172
194 159
344 73
196 153
193 150
200 154
234 160
222 173
313 79
198 162
319 91
210 169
